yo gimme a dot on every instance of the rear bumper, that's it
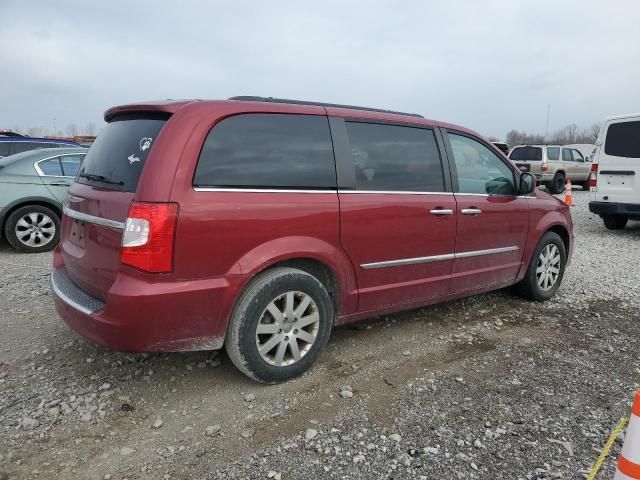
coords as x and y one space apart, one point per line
631 210
141 316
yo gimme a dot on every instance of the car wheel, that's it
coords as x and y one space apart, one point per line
32 229
557 184
615 222
279 325
546 269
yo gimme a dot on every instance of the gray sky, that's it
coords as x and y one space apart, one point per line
490 66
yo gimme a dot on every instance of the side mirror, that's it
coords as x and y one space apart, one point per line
527 184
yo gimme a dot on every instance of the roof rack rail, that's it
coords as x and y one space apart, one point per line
250 98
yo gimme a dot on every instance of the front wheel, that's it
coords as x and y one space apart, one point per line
545 270
615 222
279 325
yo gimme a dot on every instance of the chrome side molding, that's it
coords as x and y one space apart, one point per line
437 258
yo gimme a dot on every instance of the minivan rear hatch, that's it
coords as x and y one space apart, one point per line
98 202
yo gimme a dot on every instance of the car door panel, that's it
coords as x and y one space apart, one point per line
490 243
402 251
398 222
492 222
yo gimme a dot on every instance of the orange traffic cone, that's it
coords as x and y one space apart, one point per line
629 461
568 196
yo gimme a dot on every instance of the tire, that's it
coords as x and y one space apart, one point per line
615 222
271 290
530 287
557 185
41 227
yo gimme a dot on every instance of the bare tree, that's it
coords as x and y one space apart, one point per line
563 136
72 130
494 139
90 129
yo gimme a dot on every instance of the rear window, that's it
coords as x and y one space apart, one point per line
120 152
526 154
268 151
553 153
623 140
4 148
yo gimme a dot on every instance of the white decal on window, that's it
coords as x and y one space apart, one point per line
145 143
132 159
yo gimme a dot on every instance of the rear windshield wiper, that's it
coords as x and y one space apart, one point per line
100 178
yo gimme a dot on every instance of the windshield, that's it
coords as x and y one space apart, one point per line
526 153
117 157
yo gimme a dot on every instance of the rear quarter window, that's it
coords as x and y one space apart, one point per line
50 167
553 153
623 140
526 154
266 150
120 152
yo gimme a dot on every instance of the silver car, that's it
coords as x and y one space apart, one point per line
33 186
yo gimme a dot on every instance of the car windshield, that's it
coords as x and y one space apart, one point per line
526 153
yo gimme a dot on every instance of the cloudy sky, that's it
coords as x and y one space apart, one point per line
491 66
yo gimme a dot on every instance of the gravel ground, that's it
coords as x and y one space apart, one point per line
486 387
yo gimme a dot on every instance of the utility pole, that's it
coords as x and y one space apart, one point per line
546 128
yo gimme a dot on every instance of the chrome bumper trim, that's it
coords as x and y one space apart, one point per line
85 217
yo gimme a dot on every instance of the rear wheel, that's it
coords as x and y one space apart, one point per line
557 184
545 270
32 229
615 222
279 325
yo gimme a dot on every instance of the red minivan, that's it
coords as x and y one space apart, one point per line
258 224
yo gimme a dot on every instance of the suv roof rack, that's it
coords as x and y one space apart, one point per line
249 98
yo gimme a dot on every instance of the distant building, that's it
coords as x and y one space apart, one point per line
36 132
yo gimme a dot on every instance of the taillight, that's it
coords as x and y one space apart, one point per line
593 178
544 168
147 242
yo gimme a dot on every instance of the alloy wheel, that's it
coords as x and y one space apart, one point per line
287 328
35 229
548 267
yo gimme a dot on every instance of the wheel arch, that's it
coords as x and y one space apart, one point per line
552 221
563 233
315 256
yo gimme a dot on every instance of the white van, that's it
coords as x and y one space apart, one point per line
615 174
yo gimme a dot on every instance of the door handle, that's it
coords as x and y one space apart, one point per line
471 211
60 184
441 211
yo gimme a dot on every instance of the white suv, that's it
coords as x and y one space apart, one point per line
614 185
